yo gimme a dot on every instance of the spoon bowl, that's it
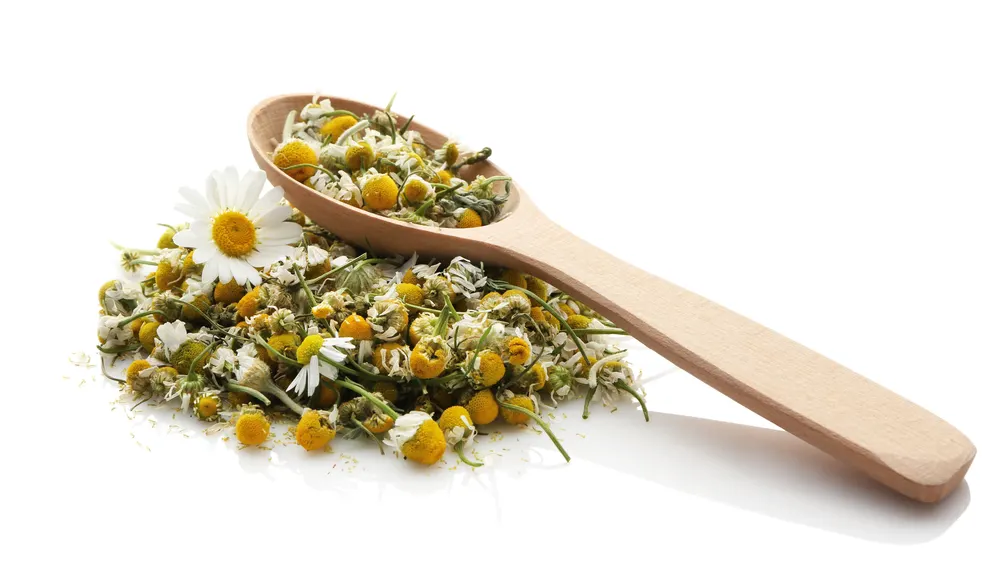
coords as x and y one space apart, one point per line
852 418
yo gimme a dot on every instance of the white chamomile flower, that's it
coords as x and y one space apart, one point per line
315 110
111 334
235 229
405 427
308 354
223 361
172 335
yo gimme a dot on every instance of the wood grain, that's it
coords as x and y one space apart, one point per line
893 440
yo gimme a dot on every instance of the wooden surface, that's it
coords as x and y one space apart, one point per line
893 440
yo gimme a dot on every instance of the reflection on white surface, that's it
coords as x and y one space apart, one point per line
770 472
747 467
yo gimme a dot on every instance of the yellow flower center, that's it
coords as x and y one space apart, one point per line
207 407
453 417
469 219
337 126
516 417
380 192
234 234
252 427
359 156
295 152
314 431
427 445
309 348
451 153
415 189
356 327
483 408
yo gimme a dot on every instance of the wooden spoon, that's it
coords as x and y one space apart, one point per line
893 440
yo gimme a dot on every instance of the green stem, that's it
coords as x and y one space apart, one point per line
302 282
501 285
332 271
312 165
406 125
138 251
284 398
211 321
104 370
586 401
117 350
541 423
460 449
352 130
139 316
336 113
425 309
364 393
370 434
281 357
622 386
252 392
481 155
601 332
426 205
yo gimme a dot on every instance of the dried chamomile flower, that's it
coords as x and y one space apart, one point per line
207 405
418 438
518 351
514 417
252 426
315 429
436 289
356 327
287 318
296 158
482 407
486 368
430 357
422 326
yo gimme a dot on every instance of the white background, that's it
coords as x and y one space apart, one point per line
829 169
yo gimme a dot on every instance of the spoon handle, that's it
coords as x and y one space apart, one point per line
893 440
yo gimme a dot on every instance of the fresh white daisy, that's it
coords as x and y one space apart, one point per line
235 229
309 352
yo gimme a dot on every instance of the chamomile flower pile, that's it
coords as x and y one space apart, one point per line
374 163
249 312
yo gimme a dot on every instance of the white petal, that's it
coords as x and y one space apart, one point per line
203 253
313 374
212 192
328 371
266 255
186 238
273 217
225 272
280 234
232 198
251 186
238 268
211 271
299 382
267 202
192 211
253 277
194 198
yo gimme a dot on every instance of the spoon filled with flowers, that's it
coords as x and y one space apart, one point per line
387 183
